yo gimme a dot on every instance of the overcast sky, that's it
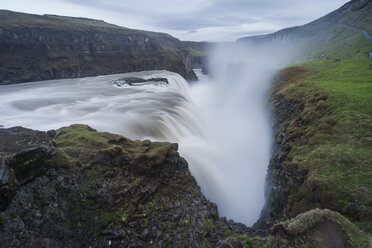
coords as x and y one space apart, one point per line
208 20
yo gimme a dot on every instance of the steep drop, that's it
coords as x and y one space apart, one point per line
221 123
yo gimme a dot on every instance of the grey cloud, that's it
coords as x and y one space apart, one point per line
198 18
187 23
223 13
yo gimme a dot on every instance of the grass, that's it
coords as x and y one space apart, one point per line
197 53
349 83
83 136
332 42
335 143
13 20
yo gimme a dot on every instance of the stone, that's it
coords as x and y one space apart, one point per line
24 155
4 172
230 243
322 228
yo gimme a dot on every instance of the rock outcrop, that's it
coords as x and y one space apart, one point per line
76 187
24 155
37 48
319 228
314 228
80 188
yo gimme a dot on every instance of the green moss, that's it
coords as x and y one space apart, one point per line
61 160
247 240
83 136
12 180
124 218
254 242
365 226
309 221
108 217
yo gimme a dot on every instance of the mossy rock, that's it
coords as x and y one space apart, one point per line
323 228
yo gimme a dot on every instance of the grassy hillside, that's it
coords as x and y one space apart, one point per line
332 137
331 36
14 21
18 20
356 13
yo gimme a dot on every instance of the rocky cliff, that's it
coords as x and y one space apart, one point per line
312 165
281 179
34 48
79 188
75 187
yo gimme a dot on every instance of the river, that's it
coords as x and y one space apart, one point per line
221 123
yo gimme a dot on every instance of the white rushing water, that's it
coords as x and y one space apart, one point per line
221 124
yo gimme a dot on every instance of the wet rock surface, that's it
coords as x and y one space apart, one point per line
281 180
134 81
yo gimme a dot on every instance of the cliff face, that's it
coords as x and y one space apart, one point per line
36 48
76 188
281 180
315 137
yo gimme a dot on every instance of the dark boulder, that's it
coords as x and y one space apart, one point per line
24 155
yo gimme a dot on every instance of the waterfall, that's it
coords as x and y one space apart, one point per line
221 123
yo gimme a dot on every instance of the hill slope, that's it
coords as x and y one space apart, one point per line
35 47
338 34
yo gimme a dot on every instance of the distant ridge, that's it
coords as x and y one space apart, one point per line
338 33
41 47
